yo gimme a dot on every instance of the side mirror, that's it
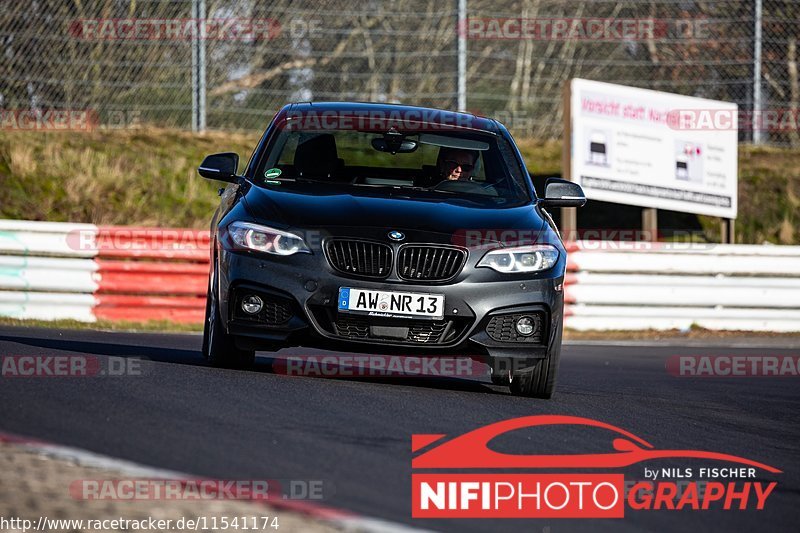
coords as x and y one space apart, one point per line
220 167
562 193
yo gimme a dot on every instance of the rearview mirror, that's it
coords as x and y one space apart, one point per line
394 147
220 167
562 193
394 142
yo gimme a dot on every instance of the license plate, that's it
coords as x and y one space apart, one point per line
391 304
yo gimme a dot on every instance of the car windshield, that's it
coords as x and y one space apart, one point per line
474 166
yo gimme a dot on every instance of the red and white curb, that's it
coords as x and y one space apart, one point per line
338 518
53 270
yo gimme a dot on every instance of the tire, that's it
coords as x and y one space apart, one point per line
500 379
500 372
539 381
219 347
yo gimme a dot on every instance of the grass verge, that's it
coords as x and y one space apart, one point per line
148 177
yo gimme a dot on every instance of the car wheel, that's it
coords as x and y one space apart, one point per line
501 373
219 347
539 381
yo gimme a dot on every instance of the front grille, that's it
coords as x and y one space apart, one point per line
501 328
411 331
430 262
276 310
361 258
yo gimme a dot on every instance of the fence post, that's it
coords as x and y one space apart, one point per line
462 55
199 67
757 106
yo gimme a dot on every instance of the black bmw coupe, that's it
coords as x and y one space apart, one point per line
385 228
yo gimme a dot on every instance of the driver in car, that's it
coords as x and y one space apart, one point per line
456 164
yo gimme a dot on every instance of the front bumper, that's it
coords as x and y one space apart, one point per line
305 287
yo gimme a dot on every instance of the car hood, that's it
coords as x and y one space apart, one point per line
290 209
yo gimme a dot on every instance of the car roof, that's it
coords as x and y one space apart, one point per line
387 110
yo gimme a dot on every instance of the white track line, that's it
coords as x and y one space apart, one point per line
772 343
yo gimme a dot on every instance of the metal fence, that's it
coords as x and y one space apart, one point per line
230 64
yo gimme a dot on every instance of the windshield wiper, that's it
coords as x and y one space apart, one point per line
390 186
300 179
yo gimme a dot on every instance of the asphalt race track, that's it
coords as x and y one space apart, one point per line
354 434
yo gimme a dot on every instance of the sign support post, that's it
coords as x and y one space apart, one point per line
728 230
650 223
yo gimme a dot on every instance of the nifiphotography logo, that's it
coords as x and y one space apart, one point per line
575 485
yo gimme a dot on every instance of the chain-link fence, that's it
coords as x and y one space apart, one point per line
230 64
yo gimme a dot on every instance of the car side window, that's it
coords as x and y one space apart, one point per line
479 174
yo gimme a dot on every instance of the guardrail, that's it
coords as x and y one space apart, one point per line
673 286
84 272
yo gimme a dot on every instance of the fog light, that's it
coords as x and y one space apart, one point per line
524 326
252 304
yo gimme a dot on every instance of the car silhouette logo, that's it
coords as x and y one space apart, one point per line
396 235
471 449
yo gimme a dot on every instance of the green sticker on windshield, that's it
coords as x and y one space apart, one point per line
272 173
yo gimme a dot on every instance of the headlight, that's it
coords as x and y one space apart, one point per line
266 239
521 258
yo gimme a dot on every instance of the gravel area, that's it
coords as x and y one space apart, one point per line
35 485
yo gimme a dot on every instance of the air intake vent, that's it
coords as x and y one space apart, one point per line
413 331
